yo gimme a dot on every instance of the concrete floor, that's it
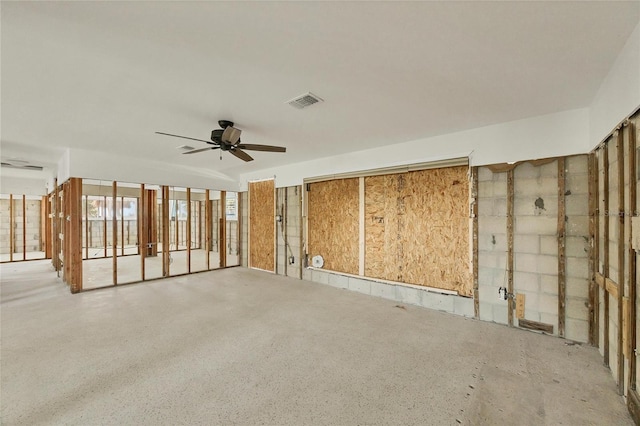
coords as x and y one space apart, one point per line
238 346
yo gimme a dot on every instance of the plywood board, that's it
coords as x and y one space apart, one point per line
417 228
333 210
261 225
520 303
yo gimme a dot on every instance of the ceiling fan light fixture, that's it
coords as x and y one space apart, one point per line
305 100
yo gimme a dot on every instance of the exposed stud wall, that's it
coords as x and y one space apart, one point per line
244 231
33 226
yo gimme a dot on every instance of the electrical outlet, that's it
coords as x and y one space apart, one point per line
291 260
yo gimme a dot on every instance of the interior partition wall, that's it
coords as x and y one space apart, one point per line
23 227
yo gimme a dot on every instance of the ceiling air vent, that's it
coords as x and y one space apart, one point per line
20 165
305 100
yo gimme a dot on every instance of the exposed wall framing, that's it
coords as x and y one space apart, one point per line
562 263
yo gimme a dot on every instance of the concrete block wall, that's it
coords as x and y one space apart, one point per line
33 227
535 244
492 244
577 247
396 293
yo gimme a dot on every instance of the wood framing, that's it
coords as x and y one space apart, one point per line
12 238
46 230
475 242
222 246
165 232
207 226
605 255
73 257
594 298
534 325
188 230
24 227
510 211
621 250
142 230
114 231
562 283
632 271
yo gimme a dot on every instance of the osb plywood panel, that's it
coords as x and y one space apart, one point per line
262 225
333 210
417 228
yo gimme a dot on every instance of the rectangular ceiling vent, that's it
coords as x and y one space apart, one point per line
305 100
21 166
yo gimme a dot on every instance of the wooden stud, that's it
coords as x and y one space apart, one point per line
605 255
47 226
632 271
86 226
611 287
104 225
599 278
114 231
621 250
285 216
54 227
188 230
207 227
534 325
633 404
222 245
510 195
74 237
12 242
361 228
562 283
594 298
520 305
121 225
165 232
24 227
475 242
142 230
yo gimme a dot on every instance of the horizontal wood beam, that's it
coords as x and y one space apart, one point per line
534 325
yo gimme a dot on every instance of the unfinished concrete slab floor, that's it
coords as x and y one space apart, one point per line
238 346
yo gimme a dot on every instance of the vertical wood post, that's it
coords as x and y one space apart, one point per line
122 226
47 226
104 225
561 248
74 237
12 242
510 195
222 246
605 255
165 232
207 227
86 227
188 230
114 231
632 271
474 225
55 243
621 266
594 230
142 230
24 227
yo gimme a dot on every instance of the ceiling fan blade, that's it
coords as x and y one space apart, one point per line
231 135
184 137
268 148
241 154
194 151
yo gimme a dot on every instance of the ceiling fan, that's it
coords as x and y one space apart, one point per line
228 139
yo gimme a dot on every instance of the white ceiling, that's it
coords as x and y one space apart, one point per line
106 76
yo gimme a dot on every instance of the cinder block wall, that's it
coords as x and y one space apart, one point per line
492 244
33 237
535 244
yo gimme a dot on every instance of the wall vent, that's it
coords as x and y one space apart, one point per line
305 100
